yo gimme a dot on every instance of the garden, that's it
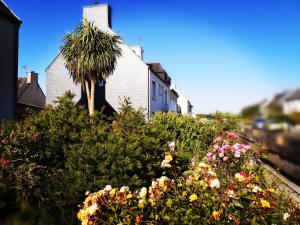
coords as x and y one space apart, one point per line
63 166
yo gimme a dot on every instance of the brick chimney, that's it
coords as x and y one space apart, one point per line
99 14
32 77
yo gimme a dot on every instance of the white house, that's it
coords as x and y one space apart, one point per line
147 85
292 103
184 105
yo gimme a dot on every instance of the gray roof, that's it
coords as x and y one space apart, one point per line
6 12
294 95
160 72
22 86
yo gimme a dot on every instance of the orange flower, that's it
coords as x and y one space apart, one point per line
216 215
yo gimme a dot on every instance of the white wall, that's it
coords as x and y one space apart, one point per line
161 101
291 106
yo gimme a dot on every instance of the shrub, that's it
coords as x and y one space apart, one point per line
193 136
51 158
212 191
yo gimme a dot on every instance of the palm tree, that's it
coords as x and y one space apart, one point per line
90 56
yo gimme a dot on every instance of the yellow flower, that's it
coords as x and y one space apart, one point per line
264 203
79 214
129 196
239 177
141 203
272 190
85 222
168 158
193 197
184 193
216 215
112 192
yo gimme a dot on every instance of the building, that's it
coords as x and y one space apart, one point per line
9 41
30 94
146 85
292 102
184 106
174 107
276 104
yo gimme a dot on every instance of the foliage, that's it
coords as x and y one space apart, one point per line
51 158
193 135
296 118
250 112
212 191
90 56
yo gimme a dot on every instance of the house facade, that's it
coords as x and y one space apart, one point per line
30 94
9 41
292 102
184 106
146 85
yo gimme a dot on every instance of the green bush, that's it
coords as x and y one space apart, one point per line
193 135
51 158
56 155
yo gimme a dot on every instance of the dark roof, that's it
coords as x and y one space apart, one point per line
7 13
160 72
22 86
278 99
294 95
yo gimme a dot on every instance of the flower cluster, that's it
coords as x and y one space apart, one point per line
210 192
227 152
202 174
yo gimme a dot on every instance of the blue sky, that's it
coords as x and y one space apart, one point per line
221 54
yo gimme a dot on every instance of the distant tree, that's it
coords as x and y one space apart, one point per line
90 56
250 111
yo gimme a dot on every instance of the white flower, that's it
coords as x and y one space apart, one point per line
107 188
231 194
215 183
124 189
165 164
256 189
172 144
286 215
202 164
211 173
143 192
93 209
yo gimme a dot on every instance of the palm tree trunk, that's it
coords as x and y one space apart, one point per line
93 84
88 95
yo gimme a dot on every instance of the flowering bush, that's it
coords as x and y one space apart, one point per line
213 190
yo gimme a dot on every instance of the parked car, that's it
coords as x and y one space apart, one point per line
259 123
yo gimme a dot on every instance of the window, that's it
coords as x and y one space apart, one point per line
160 89
100 83
166 97
153 89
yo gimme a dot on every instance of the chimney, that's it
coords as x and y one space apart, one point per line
139 51
32 77
99 14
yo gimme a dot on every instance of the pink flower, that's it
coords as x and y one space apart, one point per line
237 154
231 135
225 158
221 154
214 158
251 163
209 154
